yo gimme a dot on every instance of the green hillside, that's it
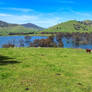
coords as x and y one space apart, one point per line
72 26
16 29
6 28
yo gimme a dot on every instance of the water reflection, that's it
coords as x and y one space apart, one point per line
69 42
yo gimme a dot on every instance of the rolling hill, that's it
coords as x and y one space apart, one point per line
72 26
69 26
6 28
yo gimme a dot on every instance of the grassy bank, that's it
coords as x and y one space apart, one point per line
45 70
30 35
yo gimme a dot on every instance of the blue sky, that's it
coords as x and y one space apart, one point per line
45 13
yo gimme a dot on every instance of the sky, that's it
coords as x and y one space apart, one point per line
45 13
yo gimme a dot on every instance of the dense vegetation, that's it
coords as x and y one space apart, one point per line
45 70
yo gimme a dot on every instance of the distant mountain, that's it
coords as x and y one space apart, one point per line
5 24
72 26
6 28
30 25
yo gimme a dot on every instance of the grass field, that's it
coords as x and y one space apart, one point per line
45 70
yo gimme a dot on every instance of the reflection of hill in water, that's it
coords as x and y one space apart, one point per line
74 40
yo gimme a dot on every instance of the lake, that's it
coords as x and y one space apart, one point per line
68 43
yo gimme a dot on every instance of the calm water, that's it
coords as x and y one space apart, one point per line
68 43
16 40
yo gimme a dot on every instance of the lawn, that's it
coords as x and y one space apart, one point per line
45 70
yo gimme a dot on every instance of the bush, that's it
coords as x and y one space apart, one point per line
49 42
8 45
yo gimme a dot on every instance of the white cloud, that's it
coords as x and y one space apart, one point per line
45 19
18 9
37 19
4 15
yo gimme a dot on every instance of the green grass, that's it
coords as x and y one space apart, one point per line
45 70
69 27
16 29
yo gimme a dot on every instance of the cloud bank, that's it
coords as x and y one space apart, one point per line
43 19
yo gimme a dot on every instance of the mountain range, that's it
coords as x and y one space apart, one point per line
6 28
28 25
69 26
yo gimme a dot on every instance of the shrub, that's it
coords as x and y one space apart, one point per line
49 42
8 45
